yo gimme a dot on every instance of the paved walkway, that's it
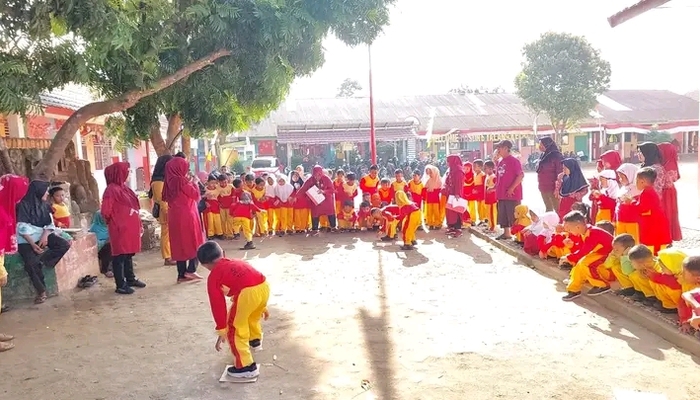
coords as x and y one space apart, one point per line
453 320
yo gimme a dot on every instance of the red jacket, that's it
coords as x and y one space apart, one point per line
240 210
226 279
595 240
653 225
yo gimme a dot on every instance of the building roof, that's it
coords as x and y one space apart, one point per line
473 112
71 97
695 95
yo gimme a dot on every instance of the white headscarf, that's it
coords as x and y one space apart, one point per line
551 220
282 192
630 172
613 189
536 226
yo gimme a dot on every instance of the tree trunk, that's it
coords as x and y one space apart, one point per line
45 169
174 130
157 141
186 146
5 161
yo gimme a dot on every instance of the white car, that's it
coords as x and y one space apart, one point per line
266 164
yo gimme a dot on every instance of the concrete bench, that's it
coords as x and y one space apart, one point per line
79 261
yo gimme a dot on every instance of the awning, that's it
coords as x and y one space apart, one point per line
357 133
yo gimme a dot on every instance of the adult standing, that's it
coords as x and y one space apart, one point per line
320 181
548 169
186 234
12 189
37 243
454 183
509 189
156 193
669 195
120 209
650 156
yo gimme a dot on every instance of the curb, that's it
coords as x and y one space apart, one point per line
611 302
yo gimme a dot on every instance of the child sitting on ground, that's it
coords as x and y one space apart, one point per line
549 242
364 216
588 260
522 221
690 280
347 218
531 233
240 326
662 272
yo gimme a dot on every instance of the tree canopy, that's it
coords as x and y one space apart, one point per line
348 88
562 75
211 64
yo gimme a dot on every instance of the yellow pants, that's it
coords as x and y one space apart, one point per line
443 204
301 219
343 224
656 249
473 207
243 224
432 214
3 273
243 323
604 215
214 224
558 252
261 223
481 209
165 241
323 222
338 207
285 216
390 228
491 213
613 263
410 226
631 228
581 273
669 297
270 215
226 222
641 283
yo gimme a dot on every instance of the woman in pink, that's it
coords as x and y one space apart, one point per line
669 195
12 189
120 209
454 182
320 181
186 235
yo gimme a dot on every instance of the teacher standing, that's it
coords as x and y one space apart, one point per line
156 193
320 181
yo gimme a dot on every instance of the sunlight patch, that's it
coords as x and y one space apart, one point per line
622 394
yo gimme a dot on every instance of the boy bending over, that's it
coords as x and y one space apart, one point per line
663 273
589 258
240 325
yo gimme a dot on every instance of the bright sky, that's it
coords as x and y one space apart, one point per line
432 46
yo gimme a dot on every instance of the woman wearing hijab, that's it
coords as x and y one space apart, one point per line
12 189
650 156
548 170
120 209
186 234
320 181
104 249
454 181
156 193
669 195
572 186
37 244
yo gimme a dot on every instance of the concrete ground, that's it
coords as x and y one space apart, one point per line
456 319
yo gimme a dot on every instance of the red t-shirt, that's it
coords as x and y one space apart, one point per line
227 279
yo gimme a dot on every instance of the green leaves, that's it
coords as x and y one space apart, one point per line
562 76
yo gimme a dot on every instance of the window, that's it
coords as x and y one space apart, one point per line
263 163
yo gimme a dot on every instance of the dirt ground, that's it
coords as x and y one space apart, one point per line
454 320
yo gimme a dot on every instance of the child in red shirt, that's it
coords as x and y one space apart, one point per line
385 192
654 231
240 325
243 213
364 216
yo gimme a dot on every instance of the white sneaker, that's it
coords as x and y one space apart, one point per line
256 345
254 373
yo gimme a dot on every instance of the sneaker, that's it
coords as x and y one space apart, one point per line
387 239
256 345
414 243
629 292
570 296
249 372
126 289
136 283
193 276
597 291
248 246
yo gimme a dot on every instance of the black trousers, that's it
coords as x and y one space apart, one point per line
105 258
34 263
123 269
186 266
315 221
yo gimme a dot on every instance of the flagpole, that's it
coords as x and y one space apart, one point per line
372 136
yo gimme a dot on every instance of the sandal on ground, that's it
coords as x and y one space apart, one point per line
87 281
503 237
109 274
4 346
39 299
5 337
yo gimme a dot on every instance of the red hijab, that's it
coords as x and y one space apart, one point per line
116 175
611 157
12 190
669 156
468 176
175 178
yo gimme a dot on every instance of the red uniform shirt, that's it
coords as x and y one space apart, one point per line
385 195
653 225
240 210
369 184
227 279
595 240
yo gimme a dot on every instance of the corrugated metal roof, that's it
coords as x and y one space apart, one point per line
71 97
475 112
695 95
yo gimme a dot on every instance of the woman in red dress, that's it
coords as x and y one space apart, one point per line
669 195
120 209
186 235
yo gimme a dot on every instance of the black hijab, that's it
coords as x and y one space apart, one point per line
159 168
32 209
550 150
651 153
